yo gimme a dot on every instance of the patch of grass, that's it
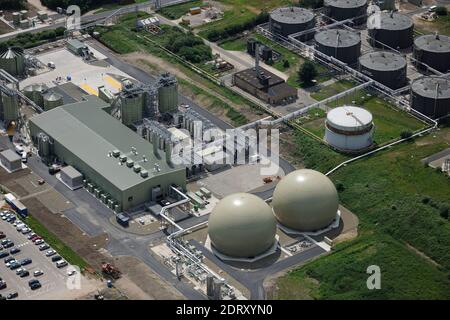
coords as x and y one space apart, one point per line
63 250
239 44
389 121
342 275
177 11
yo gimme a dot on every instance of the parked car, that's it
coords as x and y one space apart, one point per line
14 250
35 238
71 272
35 286
61 264
43 247
24 274
5 241
50 253
38 273
2 285
20 270
26 230
26 261
8 245
32 281
12 295
39 241
4 254
2 235
9 259
31 236
11 219
56 258
15 265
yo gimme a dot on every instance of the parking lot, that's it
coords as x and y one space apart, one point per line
53 280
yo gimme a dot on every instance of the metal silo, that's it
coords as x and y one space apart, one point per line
131 107
44 146
347 9
385 67
167 94
286 21
343 45
12 61
28 91
10 107
52 100
385 4
392 29
434 51
431 96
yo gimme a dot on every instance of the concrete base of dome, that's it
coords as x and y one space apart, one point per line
333 225
272 250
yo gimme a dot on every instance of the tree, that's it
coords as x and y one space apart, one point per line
286 64
307 73
441 11
406 134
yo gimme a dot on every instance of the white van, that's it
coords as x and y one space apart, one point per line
19 149
24 157
61 264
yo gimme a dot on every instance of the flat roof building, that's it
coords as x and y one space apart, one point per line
10 160
266 86
107 153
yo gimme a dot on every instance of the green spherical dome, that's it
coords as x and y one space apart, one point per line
305 200
242 225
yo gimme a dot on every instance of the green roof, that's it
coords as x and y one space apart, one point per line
91 134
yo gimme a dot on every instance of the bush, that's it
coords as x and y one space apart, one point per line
406 134
444 211
286 64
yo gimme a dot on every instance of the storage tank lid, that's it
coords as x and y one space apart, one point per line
11 53
426 87
337 38
389 21
292 15
345 3
433 43
382 61
349 118
52 96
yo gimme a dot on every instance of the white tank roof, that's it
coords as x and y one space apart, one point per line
242 225
349 118
305 200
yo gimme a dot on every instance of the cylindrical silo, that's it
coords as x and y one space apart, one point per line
385 67
434 51
167 94
431 96
347 9
12 61
39 89
343 45
10 106
131 108
286 21
349 128
52 100
391 29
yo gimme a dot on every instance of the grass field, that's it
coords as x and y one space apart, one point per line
64 251
389 121
179 10
399 203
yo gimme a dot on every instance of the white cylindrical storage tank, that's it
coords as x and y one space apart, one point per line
242 225
349 128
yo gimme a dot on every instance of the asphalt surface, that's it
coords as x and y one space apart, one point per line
254 280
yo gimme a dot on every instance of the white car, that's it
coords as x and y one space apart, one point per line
10 263
26 230
50 253
71 272
38 273
40 241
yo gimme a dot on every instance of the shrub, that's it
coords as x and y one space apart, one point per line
406 134
441 11
307 73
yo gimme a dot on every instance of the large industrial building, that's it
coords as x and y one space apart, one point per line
118 166
266 86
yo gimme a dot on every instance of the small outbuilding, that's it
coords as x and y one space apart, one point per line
71 177
10 160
